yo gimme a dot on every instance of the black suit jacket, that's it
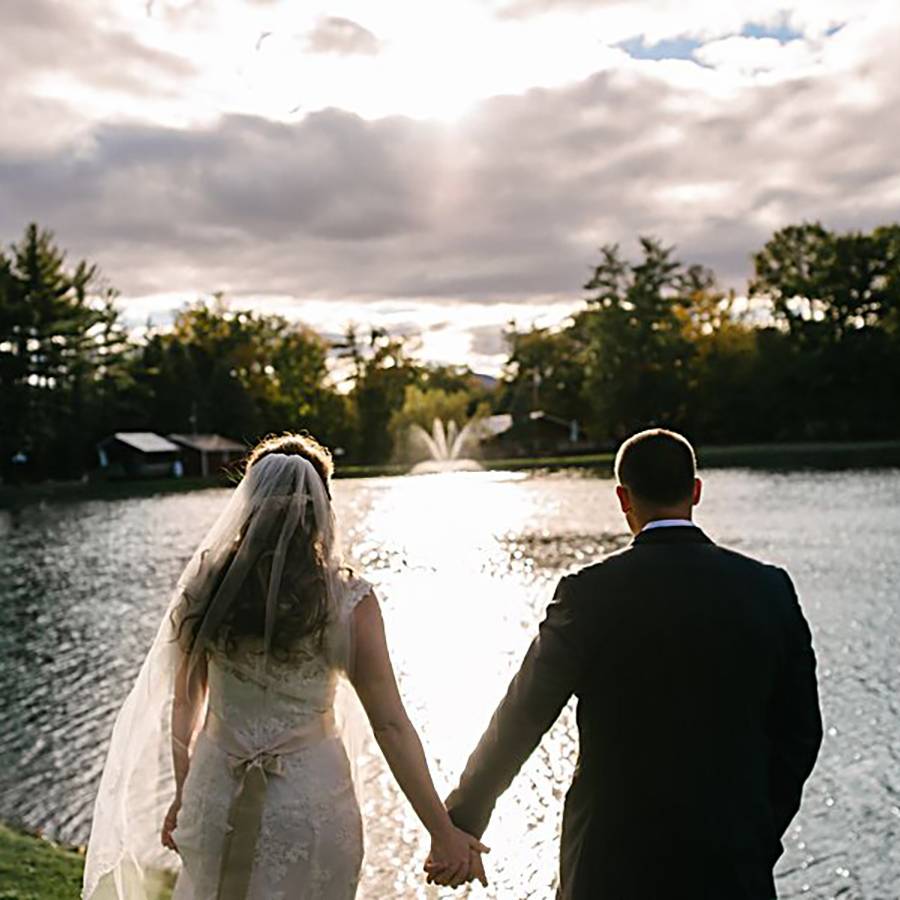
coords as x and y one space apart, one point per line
698 720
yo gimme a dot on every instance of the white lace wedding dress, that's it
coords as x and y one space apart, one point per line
269 810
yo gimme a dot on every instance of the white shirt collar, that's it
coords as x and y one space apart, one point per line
668 523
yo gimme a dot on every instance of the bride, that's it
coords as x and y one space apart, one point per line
234 752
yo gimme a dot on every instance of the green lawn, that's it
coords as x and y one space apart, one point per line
35 869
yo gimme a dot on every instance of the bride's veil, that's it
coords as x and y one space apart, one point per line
279 513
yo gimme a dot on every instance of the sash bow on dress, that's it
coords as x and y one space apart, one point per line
252 768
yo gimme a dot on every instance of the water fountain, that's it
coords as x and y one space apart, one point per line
446 446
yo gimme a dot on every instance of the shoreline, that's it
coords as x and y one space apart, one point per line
788 456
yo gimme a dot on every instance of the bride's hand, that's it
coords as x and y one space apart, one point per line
455 858
170 823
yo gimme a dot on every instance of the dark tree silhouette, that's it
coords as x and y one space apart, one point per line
61 352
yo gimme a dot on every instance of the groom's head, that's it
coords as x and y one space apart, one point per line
657 475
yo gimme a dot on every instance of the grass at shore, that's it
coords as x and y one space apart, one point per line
821 455
34 869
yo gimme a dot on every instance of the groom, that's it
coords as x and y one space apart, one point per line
698 713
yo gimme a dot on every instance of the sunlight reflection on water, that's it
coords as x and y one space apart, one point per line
464 564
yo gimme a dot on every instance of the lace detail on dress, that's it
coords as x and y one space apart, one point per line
310 842
357 590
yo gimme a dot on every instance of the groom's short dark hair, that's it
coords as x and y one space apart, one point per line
657 466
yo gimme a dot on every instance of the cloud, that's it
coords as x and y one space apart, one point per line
342 36
752 55
488 340
659 20
44 40
64 65
502 209
510 204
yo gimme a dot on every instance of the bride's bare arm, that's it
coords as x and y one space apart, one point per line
373 678
187 706
190 696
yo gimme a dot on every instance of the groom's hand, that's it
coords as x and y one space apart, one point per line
440 873
441 876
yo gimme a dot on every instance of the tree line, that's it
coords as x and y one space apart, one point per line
812 352
71 373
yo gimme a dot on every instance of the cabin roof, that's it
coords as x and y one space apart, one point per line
207 443
495 425
144 441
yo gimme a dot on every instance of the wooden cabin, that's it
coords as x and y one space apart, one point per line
537 433
138 454
208 455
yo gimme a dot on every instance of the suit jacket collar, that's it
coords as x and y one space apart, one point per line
676 534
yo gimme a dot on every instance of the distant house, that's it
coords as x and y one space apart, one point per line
537 433
207 454
138 454
494 426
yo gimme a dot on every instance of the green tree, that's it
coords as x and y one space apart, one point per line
726 400
61 352
451 379
382 368
824 284
837 295
545 371
637 356
887 240
238 373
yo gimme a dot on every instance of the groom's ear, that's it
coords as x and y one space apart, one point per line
698 490
624 496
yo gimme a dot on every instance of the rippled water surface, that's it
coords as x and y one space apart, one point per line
464 565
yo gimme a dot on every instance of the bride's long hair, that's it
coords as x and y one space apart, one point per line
302 603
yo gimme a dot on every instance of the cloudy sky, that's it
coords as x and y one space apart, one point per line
436 167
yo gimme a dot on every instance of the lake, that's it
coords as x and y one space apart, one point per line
464 565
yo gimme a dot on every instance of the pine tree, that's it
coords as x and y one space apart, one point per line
60 343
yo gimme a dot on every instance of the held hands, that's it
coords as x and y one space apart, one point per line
455 859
